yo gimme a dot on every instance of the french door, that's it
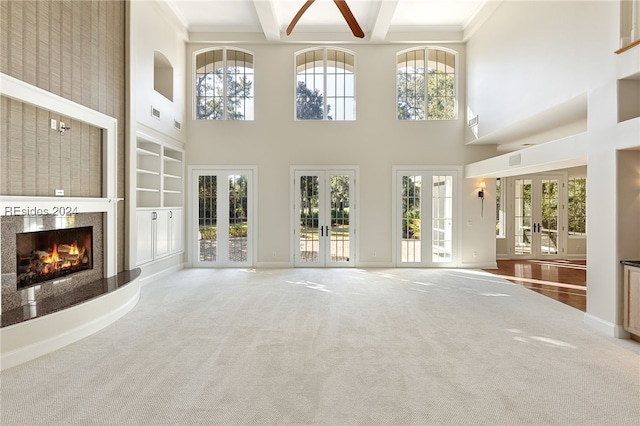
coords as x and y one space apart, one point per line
425 218
324 218
223 225
536 224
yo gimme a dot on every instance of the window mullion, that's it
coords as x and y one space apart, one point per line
426 83
324 83
224 84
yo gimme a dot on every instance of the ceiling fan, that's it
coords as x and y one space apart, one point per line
344 9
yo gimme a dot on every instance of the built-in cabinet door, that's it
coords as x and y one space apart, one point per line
162 233
176 239
145 227
159 233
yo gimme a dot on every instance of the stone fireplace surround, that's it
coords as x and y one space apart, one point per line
14 299
30 339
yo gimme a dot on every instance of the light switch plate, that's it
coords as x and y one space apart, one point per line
59 192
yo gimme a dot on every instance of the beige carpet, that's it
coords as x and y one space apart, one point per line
333 347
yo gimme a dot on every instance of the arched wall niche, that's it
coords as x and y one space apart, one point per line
162 75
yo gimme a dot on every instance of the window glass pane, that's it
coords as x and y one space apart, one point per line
522 216
349 109
220 89
331 84
411 225
577 206
319 88
411 86
340 236
499 209
238 223
442 218
441 85
207 218
309 230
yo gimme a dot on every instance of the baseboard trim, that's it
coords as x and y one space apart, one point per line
146 280
274 265
605 327
34 338
373 265
480 265
576 257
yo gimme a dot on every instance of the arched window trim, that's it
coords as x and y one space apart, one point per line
426 50
324 50
224 50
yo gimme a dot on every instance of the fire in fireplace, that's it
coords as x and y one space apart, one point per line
47 255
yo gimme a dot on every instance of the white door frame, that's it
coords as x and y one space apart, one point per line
192 222
457 173
353 211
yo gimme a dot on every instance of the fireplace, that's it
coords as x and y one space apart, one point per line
48 255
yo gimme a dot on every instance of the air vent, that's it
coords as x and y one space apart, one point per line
155 113
177 124
515 160
473 121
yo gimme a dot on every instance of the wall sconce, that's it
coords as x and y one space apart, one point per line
481 187
63 128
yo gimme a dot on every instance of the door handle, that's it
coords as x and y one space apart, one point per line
322 231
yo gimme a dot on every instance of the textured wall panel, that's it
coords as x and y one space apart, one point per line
75 49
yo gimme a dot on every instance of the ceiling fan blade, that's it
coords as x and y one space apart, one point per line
296 18
348 16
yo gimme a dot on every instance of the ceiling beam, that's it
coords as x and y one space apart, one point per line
268 19
382 20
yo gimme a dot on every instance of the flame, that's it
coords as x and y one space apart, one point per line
74 249
53 257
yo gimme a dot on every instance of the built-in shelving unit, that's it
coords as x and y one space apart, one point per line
148 169
159 175
160 198
173 177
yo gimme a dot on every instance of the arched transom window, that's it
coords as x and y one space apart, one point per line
325 85
224 85
426 84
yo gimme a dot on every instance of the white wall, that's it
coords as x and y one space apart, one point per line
375 142
530 56
153 29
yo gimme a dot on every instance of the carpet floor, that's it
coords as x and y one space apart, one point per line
333 347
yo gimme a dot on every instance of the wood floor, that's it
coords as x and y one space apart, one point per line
563 280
